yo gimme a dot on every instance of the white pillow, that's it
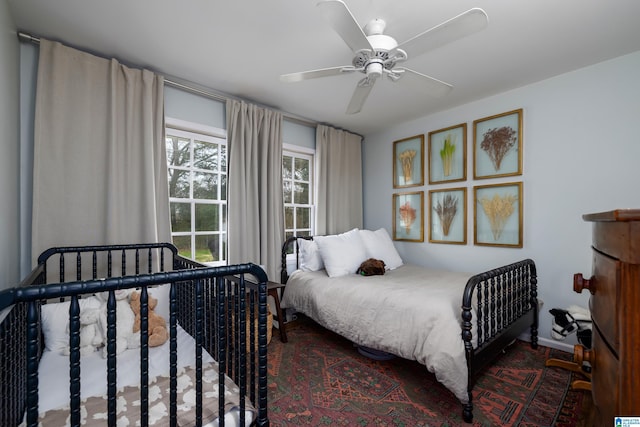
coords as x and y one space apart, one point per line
343 253
161 293
379 245
55 318
310 259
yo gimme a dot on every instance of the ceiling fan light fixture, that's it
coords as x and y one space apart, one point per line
374 69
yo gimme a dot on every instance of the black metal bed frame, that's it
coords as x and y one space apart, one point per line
202 300
503 300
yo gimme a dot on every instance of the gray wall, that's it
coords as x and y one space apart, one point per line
10 158
581 151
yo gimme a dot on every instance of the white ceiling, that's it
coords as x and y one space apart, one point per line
240 48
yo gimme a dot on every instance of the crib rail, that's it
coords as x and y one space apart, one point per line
201 300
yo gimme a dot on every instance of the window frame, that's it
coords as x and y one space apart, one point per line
199 132
296 151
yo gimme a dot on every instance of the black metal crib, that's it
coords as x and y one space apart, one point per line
227 319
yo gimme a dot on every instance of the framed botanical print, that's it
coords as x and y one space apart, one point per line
408 162
497 145
448 216
447 152
498 215
408 216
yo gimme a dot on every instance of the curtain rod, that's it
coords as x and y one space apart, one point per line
187 86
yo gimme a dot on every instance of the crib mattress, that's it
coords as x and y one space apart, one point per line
53 395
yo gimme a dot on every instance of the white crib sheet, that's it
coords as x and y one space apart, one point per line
53 374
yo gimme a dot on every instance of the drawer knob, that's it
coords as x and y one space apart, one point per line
580 283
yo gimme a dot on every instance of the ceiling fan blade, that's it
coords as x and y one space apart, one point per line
460 26
423 82
313 74
342 20
360 95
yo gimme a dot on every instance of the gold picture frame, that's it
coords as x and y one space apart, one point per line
497 145
408 216
408 162
498 215
447 152
448 216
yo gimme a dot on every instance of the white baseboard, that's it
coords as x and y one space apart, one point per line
547 342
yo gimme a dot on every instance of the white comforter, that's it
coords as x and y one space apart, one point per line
412 312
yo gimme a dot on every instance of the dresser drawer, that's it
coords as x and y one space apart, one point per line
604 300
604 380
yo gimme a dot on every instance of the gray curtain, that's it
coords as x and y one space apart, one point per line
100 170
255 211
339 160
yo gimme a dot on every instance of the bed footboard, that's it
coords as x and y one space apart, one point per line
504 302
226 318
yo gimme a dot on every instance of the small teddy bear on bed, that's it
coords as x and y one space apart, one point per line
158 333
371 267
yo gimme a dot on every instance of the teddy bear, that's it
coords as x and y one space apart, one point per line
125 337
90 334
158 333
371 267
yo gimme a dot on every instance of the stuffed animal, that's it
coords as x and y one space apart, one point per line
158 333
573 319
90 334
371 267
125 337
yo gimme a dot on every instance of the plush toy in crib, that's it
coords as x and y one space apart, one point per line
125 337
90 334
158 333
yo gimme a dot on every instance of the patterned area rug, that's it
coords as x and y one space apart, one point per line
318 378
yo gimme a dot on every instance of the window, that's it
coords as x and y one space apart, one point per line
297 181
197 171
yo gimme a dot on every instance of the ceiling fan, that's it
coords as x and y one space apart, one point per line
377 54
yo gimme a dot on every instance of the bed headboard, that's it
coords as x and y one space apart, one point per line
290 246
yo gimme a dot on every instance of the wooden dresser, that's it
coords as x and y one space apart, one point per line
615 310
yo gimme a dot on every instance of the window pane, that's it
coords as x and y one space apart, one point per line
223 187
286 236
302 217
302 169
177 151
205 155
206 246
183 243
178 183
286 191
301 195
224 218
286 167
180 217
205 185
207 218
288 217
223 160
